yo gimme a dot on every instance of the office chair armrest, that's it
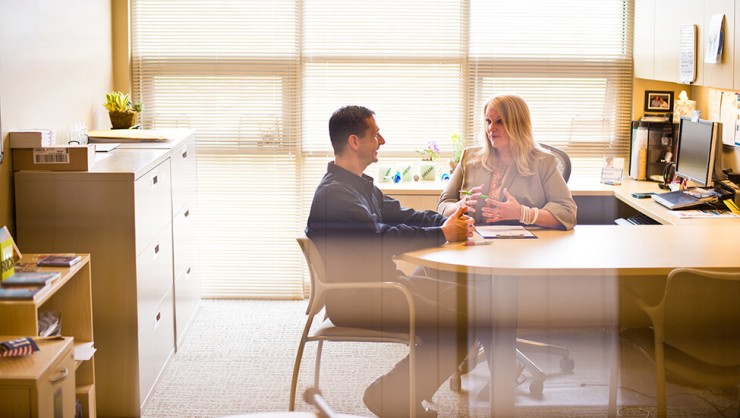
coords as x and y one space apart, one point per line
654 312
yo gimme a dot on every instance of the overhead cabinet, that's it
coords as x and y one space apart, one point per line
657 41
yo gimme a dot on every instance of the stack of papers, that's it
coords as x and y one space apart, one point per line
504 231
130 135
703 213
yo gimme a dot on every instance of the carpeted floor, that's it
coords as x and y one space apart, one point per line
238 358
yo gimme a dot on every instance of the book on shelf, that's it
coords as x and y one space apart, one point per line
19 292
9 253
59 260
32 278
50 323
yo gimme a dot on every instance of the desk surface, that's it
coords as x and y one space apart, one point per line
583 187
592 250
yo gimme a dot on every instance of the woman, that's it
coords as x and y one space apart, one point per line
509 179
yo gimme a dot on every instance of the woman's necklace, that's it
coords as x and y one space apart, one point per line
498 178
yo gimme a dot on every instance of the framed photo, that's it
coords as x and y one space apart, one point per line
659 101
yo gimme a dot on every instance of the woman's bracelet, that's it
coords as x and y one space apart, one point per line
528 216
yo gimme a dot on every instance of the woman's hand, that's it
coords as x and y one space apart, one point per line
471 200
496 211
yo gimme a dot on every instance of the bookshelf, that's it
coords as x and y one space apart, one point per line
71 295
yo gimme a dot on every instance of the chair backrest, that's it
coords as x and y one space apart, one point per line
562 159
701 314
316 272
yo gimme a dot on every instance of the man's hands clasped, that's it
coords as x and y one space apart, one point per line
459 226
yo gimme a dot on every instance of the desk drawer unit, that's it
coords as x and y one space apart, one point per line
153 204
154 274
184 175
187 275
156 344
40 385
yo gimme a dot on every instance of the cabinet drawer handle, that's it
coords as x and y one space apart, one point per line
155 180
157 318
156 250
187 273
187 213
184 155
61 375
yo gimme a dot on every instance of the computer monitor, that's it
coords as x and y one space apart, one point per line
698 145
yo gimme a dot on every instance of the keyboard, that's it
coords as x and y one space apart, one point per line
639 219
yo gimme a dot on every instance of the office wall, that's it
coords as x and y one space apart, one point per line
55 67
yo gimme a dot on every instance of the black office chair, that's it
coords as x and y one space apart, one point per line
567 364
562 158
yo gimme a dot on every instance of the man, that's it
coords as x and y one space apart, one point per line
358 230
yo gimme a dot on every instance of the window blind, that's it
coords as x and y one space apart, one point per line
258 80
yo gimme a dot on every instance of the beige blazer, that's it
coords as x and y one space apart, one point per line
545 189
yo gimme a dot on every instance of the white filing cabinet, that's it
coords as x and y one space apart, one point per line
183 157
122 213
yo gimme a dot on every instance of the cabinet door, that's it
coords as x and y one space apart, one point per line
644 41
56 389
183 175
670 15
153 204
721 74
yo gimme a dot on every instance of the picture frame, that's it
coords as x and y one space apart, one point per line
659 101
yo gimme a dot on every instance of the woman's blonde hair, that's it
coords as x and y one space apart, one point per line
514 114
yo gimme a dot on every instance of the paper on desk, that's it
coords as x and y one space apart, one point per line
702 213
130 135
84 351
504 231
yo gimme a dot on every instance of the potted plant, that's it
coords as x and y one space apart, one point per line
458 143
430 153
121 111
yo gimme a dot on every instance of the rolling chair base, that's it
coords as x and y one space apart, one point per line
536 386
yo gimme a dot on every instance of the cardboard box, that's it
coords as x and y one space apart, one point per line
57 158
31 138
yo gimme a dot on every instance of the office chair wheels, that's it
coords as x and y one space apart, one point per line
567 364
456 382
536 386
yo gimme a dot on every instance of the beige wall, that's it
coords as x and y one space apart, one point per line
55 67
121 51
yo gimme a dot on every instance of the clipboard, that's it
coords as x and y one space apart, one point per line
504 232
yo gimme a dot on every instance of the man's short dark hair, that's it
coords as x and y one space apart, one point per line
346 121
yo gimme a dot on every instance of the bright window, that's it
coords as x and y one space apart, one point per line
259 79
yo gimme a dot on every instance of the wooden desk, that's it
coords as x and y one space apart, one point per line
425 195
608 252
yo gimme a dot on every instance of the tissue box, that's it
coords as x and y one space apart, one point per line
57 158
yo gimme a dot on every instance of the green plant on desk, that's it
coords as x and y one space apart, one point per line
121 110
